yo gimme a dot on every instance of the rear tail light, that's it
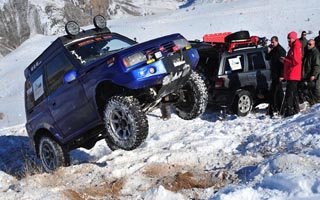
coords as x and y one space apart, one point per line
219 83
134 59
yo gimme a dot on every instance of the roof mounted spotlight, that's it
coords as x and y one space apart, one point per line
99 22
72 28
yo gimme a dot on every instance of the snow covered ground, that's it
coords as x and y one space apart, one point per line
253 157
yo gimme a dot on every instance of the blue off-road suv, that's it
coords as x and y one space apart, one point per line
96 84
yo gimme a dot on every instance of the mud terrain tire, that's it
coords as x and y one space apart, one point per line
193 98
126 123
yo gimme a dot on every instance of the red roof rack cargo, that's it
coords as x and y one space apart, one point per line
215 37
218 39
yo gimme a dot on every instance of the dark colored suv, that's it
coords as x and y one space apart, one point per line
236 71
97 84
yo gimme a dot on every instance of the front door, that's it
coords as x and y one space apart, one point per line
258 74
67 102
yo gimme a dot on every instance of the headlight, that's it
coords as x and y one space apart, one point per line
134 59
181 44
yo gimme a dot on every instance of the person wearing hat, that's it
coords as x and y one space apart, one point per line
292 74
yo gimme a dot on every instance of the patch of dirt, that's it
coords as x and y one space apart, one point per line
105 191
188 180
177 177
112 189
72 195
160 170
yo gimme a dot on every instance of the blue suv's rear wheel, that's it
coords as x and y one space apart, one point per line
126 123
51 154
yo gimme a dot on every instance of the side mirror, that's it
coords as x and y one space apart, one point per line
70 76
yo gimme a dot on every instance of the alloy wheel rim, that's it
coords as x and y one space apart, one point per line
120 124
244 104
48 156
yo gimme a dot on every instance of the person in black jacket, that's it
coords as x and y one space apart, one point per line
304 41
275 52
311 71
317 41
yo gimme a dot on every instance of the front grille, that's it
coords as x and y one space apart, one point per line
168 47
165 49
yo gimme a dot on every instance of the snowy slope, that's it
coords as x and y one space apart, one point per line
241 158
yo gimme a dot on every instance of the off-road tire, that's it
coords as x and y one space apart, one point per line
243 103
52 155
193 98
236 36
110 144
125 122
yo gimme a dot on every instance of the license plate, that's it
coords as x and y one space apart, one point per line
176 75
177 63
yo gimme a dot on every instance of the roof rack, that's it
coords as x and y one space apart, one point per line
218 39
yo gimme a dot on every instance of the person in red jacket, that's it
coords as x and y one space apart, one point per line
292 74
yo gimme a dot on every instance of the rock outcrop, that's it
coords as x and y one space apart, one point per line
20 19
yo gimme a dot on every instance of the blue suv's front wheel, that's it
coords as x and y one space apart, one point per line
126 123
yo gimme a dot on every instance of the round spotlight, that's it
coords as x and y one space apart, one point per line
99 22
72 28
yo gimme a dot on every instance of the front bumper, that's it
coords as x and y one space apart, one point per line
164 71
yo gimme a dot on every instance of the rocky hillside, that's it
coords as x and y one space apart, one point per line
20 19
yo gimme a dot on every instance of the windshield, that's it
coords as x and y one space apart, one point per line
91 49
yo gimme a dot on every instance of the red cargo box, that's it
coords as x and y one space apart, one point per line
215 37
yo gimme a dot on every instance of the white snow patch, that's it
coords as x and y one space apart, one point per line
161 193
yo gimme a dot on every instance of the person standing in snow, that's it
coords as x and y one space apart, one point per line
292 74
311 71
275 52
302 88
317 40
304 41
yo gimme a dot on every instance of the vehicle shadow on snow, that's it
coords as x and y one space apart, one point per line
215 113
78 157
17 157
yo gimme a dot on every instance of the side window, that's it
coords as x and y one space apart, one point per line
234 64
55 70
34 89
256 61
29 98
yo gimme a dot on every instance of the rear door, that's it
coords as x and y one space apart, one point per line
67 102
258 71
234 68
